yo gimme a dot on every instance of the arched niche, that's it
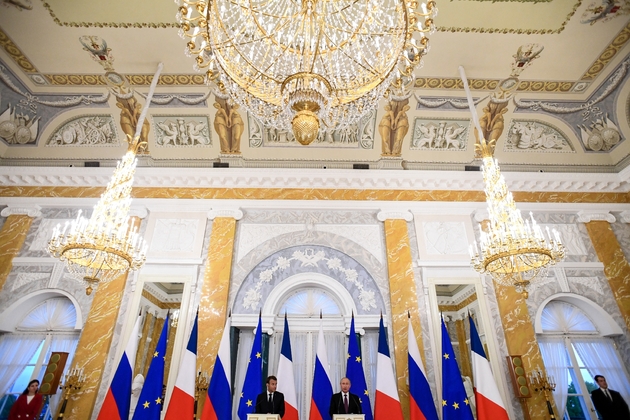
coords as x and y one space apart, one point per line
14 313
604 323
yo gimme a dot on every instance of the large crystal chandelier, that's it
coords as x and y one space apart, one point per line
108 244
513 251
302 64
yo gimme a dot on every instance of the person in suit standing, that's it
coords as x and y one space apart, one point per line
610 404
345 402
270 401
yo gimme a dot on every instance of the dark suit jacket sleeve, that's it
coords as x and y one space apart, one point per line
357 404
334 404
278 402
261 404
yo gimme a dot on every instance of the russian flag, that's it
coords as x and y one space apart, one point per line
322 387
487 397
118 397
218 404
182 402
386 401
421 406
286 380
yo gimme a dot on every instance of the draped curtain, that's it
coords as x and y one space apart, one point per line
554 355
15 352
600 358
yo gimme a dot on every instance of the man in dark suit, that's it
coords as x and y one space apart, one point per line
609 403
345 402
270 401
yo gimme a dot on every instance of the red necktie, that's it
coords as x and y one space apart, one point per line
345 402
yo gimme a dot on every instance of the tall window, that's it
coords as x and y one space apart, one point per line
24 354
574 352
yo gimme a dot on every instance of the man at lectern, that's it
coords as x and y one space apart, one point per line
270 401
345 402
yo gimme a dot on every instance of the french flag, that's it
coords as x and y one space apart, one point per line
286 381
421 404
322 387
386 401
489 402
218 404
182 402
118 397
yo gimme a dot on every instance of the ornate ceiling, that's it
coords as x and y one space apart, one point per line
549 76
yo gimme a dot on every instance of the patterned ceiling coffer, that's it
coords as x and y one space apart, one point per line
15 53
309 259
531 135
608 54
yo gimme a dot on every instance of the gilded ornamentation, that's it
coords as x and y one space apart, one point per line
229 126
16 53
182 131
439 135
18 128
394 127
524 57
605 10
86 131
608 54
130 111
601 136
534 135
119 25
98 50
19 4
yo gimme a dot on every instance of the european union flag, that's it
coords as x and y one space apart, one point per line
253 377
354 372
455 404
150 400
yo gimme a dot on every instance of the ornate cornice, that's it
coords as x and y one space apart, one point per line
393 181
30 211
589 216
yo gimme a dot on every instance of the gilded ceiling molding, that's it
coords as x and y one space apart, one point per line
514 31
487 84
608 54
15 53
121 25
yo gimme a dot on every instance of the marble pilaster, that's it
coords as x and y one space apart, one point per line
616 266
95 343
13 235
403 297
214 293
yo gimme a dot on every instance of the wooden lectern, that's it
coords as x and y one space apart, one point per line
348 417
263 417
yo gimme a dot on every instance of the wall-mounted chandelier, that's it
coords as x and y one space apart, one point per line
307 64
108 244
513 251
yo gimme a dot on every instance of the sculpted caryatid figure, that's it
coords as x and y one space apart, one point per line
393 127
229 126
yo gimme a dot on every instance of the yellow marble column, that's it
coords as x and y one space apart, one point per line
95 343
464 352
214 293
403 296
609 252
521 340
13 235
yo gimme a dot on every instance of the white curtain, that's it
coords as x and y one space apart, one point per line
59 343
15 352
246 341
600 358
336 350
369 352
554 354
